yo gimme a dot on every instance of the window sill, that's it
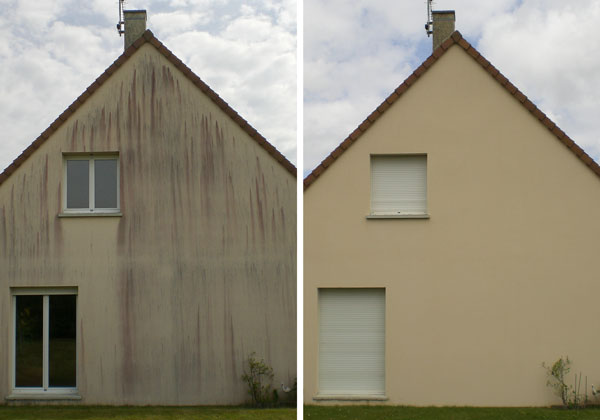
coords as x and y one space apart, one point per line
320 397
90 214
398 216
43 396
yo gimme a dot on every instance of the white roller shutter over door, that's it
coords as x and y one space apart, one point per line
399 184
352 342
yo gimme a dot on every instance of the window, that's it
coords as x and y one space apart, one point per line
44 340
398 185
92 184
352 343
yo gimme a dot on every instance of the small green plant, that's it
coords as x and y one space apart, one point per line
556 378
258 377
570 395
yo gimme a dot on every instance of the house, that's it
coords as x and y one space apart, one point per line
451 246
147 244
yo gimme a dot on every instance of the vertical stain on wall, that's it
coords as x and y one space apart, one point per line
174 207
229 342
198 345
252 221
74 135
265 201
93 129
273 225
220 147
230 205
58 233
133 90
102 128
127 325
208 159
3 233
44 208
207 165
109 133
153 102
259 206
43 193
118 125
22 190
283 226
82 361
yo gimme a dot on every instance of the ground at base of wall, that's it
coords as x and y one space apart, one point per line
153 413
361 412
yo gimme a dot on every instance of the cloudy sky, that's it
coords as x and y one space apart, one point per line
356 52
52 50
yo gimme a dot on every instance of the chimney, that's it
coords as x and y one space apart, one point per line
135 25
443 26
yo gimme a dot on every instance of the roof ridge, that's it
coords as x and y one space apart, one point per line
455 39
147 37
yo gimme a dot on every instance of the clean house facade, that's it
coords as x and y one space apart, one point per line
450 247
147 245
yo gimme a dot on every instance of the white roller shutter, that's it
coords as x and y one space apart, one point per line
399 184
352 342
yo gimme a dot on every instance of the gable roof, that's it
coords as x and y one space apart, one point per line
148 38
455 39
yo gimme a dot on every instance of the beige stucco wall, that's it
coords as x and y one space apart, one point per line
197 273
504 274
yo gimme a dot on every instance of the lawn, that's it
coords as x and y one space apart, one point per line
146 413
443 413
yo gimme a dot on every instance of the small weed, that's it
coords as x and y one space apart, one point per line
258 378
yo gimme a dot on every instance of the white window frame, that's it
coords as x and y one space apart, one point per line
407 213
45 391
91 158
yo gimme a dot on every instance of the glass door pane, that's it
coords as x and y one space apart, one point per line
62 326
29 353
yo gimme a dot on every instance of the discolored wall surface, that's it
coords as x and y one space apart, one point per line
199 270
502 276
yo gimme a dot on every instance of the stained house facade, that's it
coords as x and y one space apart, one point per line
147 245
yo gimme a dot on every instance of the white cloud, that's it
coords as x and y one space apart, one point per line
552 55
251 29
35 15
107 9
177 21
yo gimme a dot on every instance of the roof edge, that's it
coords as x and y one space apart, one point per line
455 39
147 38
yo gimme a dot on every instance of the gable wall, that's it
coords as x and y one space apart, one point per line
501 277
197 273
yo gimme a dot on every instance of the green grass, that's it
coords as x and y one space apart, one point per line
146 413
312 412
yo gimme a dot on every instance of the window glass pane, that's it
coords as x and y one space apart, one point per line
28 349
105 183
62 326
78 184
